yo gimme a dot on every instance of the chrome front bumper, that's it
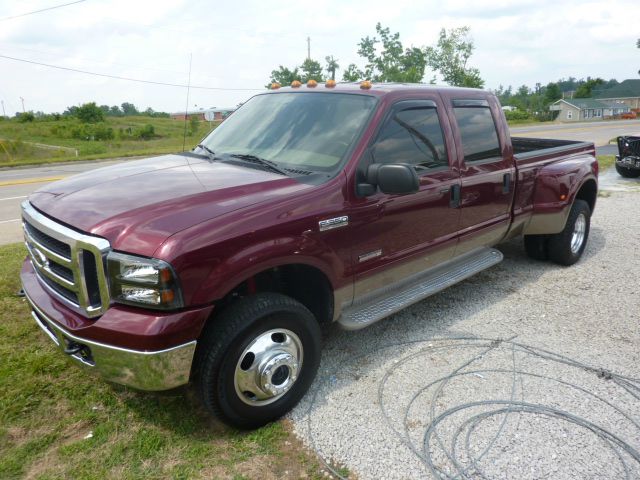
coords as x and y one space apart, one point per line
161 370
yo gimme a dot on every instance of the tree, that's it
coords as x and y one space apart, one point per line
352 74
332 66
284 76
552 93
311 70
129 109
90 113
450 57
115 111
584 90
393 63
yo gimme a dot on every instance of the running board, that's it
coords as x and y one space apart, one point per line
387 301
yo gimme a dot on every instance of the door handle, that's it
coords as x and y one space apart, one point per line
506 183
454 199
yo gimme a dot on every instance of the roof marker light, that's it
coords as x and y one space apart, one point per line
330 83
312 84
366 85
275 86
295 84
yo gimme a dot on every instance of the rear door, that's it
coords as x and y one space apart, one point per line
487 174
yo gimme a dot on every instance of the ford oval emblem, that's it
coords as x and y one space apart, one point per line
42 260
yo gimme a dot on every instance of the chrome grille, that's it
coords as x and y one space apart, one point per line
68 263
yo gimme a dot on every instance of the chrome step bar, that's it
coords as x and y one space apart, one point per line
389 300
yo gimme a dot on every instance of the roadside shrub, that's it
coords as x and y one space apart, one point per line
517 115
145 133
25 117
92 132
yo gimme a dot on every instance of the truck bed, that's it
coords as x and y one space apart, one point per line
527 149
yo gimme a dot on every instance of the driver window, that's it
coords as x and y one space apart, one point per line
412 136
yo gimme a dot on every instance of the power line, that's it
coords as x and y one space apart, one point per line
128 79
41 10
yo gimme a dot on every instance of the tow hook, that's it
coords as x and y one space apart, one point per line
73 348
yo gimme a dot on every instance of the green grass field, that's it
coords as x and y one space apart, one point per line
16 139
57 421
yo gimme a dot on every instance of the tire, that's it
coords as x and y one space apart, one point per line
627 172
284 338
537 246
567 247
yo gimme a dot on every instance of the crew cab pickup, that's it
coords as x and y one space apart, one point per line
310 204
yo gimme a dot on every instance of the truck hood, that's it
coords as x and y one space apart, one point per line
138 205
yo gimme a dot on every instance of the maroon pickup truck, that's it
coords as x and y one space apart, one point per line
309 205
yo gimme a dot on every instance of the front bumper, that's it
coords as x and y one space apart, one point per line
166 340
160 370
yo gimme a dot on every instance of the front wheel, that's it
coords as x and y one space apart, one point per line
257 359
567 247
627 172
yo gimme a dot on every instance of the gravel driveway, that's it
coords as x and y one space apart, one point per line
527 370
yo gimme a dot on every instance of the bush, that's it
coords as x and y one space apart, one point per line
91 132
517 115
145 133
25 117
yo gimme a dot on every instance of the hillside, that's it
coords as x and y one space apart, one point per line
51 140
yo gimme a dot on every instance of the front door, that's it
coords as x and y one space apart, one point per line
395 236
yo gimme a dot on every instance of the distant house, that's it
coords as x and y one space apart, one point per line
588 109
211 114
626 92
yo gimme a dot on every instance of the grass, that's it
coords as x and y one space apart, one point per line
58 421
16 149
606 161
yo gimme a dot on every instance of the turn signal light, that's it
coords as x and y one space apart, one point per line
563 197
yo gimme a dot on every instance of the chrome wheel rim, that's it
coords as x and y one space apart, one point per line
268 367
579 229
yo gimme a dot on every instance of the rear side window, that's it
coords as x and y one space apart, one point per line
412 136
478 133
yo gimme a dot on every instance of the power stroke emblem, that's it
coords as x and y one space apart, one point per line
331 223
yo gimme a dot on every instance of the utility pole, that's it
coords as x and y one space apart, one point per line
308 48
22 100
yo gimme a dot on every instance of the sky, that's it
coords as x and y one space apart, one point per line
234 46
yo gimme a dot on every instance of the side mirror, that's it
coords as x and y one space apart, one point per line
391 178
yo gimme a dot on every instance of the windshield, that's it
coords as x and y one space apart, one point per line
298 130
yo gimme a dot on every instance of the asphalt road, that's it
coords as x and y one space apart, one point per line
597 132
16 184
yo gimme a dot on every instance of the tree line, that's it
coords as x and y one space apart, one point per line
386 59
534 102
91 113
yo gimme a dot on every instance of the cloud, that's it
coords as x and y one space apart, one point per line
238 44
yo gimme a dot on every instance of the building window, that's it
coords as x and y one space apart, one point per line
569 114
598 113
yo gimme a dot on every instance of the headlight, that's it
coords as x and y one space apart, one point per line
143 282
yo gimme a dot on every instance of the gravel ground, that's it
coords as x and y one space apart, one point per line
527 370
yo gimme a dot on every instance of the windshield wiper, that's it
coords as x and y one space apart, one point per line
212 154
267 163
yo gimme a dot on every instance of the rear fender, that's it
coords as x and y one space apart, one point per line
556 187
